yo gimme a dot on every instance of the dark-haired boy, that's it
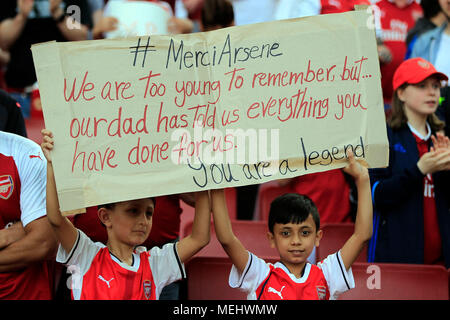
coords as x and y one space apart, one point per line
294 230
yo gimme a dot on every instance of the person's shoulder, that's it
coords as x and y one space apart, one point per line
383 4
430 34
18 145
393 133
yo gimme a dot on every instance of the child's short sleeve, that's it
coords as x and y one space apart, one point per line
82 254
166 266
339 280
253 275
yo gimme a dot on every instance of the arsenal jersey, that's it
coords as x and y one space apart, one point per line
266 281
99 275
22 198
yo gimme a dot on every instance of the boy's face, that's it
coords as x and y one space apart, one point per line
129 222
295 241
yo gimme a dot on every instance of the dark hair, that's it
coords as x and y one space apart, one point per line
398 117
217 13
294 208
430 8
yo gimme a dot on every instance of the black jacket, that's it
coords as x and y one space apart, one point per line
397 193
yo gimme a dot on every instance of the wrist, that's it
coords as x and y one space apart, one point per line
58 14
22 16
422 170
363 179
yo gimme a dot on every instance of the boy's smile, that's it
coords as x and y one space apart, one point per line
295 242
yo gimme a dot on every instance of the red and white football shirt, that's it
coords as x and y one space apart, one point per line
392 26
99 275
23 178
266 281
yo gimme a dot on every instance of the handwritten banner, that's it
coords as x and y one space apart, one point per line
156 115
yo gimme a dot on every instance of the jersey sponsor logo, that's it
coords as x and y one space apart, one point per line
106 281
6 187
270 289
35 156
147 284
321 292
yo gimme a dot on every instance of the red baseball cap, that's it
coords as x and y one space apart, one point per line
413 71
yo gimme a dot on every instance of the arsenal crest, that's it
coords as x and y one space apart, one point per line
6 187
321 292
147 288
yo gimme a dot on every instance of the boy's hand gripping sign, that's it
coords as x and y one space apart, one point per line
156 115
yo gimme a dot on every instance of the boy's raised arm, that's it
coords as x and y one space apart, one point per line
65 232
224 232
201 226
363 224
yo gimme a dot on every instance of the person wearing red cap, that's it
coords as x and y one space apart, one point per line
411 220
393 19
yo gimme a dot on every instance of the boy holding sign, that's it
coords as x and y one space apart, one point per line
121 269
294 231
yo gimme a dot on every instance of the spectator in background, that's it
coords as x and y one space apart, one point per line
434 45
190 10
11 118
336 6
217 14
26 22
253 11
393 19
26 238
433 17
107 23
411 196
287 9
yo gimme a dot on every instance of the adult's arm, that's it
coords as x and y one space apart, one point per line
38 244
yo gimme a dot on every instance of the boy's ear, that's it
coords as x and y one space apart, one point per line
105 216
319 235
271 239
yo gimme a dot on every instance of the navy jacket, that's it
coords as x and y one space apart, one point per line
397 193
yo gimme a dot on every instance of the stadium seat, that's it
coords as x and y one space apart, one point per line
392 281
252 234
207 279
267 192
334 237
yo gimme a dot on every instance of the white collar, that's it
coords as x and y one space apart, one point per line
417 133
134 267
292 276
